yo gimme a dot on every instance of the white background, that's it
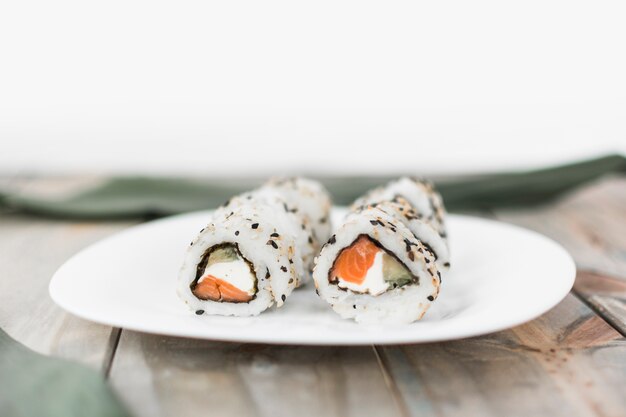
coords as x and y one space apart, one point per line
233 87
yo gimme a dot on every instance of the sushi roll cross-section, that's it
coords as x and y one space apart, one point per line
257 249
384 264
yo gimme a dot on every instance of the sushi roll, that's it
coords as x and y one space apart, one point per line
374 269
310 199
257 249
421 194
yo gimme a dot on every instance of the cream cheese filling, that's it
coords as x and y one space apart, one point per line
237 273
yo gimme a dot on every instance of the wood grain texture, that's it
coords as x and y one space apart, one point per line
569 362
31 250
167 376
607 295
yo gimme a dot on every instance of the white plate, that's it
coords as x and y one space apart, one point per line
501 276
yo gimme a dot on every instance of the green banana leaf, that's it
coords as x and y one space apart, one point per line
144 197
33 385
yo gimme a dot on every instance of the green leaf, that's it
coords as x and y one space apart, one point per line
34 385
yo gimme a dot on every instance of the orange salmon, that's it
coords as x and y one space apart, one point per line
353 262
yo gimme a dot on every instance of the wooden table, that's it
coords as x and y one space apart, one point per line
569 362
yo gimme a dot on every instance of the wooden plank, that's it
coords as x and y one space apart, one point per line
569 362
607 295
167 376
31 250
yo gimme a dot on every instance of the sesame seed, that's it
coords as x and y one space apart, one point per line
283 297
283 268
237 233
430 298
272 244
199 312
274 235
255 225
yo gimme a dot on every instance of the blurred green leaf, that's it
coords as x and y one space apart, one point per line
33 385
144 197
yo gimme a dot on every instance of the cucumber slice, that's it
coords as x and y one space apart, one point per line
394 272
223 254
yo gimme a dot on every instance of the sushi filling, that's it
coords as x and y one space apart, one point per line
365 267
224 275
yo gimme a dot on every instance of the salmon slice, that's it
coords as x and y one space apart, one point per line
353 262
215 289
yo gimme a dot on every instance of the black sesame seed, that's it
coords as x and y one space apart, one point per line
412 256
310 239
447 264
354 306
427 260
272 244
430 298
267 274
283 297
374 222
255 225
237 233
290 260
283 268
317 292
291 280
274 235
202 230
199 312
332 240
